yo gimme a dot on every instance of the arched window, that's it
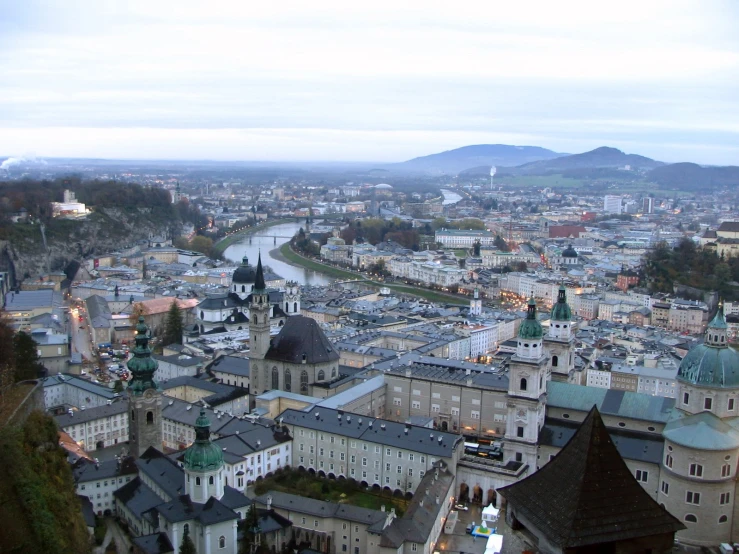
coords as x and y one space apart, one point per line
723 519
690 518
202 314
133 415
288 380
149 417
186 528
295 307
211 480
221 542
287 309
333 372
524 384
304 381
275 378
197 481
321 375
555 361
255 319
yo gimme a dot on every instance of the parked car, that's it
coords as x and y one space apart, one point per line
469 528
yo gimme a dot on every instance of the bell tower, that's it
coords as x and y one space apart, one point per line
292 298
259 311
526 392
144 396
560 340
476 304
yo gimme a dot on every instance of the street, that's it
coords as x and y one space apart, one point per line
81 338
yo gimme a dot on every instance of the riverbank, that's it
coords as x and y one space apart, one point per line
288 255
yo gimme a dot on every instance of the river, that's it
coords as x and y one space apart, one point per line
264 240
450 197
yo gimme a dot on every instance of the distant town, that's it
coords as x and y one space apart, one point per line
244 358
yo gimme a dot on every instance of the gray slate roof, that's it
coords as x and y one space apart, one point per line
232 365
417 439
301 336
91 414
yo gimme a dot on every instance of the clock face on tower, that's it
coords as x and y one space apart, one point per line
149 393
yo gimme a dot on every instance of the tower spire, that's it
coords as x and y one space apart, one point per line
259 280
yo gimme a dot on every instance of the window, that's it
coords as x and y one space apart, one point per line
519 431
707 403
364 461
400 469
686 398
731 404
555 361
725 470
519 457
303 381
211 480
321 375
186 528
414 547
690 518
315 523
524 384
455 411
435 408
723 519
396 401
288 380
221 542
668 460
696 470
197 481
642 476
665 488
416 404
474 414
724 498
693 498
149 417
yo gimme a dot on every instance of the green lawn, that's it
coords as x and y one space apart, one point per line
339 491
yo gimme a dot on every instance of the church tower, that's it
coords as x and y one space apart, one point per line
292 298
526 392
204 475
259 311
560 340
144 396
476 304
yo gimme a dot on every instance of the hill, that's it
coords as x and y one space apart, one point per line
603 157
693 176
459 159
39 505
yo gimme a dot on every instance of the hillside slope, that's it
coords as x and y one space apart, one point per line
693 176
454 161
38 504
603 157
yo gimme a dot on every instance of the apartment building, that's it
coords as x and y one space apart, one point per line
454 238
72 390
99 427
99 480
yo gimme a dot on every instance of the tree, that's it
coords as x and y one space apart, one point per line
137 311
476 248
252 543
173 325
201 244
7 357
27 364
118 387
187 546
501 244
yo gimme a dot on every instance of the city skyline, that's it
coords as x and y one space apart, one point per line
380 83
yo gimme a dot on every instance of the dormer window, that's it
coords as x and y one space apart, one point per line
707 403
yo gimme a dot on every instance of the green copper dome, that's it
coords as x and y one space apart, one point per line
530 328
203 455
561 310
142 366
713 363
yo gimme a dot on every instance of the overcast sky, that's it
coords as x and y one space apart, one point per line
380 81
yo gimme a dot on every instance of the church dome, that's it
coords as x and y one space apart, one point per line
713 363
561 310
569 252
203 455
142 366
530 328
245 273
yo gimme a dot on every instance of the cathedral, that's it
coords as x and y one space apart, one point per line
299 359
219 313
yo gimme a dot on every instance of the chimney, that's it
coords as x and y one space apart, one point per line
269 502
408 372
468 371
437 498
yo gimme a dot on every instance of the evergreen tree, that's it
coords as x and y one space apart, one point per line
27 364
252 543
187 546
7 358
173 325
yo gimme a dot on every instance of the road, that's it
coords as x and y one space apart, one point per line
81 338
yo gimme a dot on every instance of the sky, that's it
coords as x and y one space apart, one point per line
370 81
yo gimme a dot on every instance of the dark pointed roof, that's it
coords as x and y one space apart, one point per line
301 336
587 495
259 280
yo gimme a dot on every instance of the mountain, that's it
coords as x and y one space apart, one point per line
603 157
454 161
693 176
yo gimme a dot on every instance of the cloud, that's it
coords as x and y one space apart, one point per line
653 73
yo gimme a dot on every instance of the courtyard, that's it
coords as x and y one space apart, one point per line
341 491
